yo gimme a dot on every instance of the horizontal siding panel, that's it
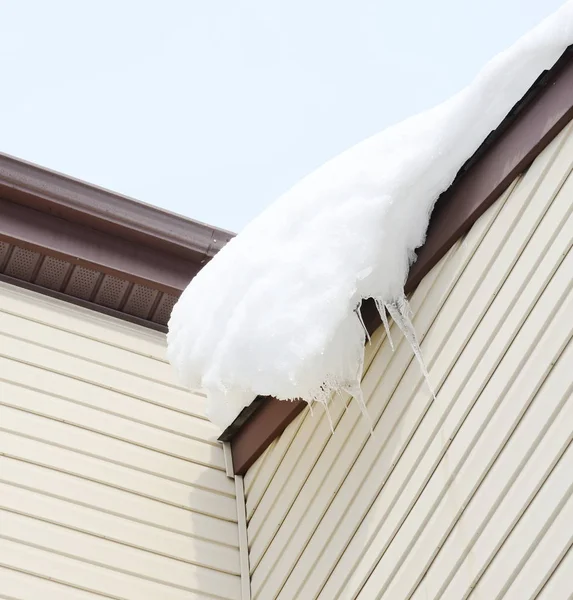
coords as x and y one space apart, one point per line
17 585
90 577
97 351
111 527
109 401
122 428
120 474
101 446
172 512
82 321
80 546
425 507
112 481
104 377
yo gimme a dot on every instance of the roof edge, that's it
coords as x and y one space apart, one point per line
79 202
525 132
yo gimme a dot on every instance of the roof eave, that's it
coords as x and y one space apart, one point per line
508 151
78 202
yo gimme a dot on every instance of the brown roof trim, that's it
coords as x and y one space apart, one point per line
79 240
82 245
79 202
507 152
478 187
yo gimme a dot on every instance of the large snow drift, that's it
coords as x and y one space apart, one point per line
274 313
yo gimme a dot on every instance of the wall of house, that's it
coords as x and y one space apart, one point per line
465 496
112 484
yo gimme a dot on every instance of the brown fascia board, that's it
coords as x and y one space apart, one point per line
87 247
532 125
78 202
507 152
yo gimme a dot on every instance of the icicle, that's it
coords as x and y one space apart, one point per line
354 389
329 416
400 311
382 311
339 394
359 315
310 407
356 392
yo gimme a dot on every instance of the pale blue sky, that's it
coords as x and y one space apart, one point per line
211 109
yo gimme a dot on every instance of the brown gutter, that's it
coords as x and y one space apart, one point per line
56 231
78 202
527 130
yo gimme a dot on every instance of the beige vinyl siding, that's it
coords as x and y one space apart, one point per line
465 496
112 482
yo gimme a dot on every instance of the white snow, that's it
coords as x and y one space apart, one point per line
274 313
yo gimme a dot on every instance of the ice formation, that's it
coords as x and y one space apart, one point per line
274 313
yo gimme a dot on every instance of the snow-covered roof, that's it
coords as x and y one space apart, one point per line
275 312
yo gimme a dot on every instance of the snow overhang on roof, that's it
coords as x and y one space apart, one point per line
508 151
276 312
89 246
